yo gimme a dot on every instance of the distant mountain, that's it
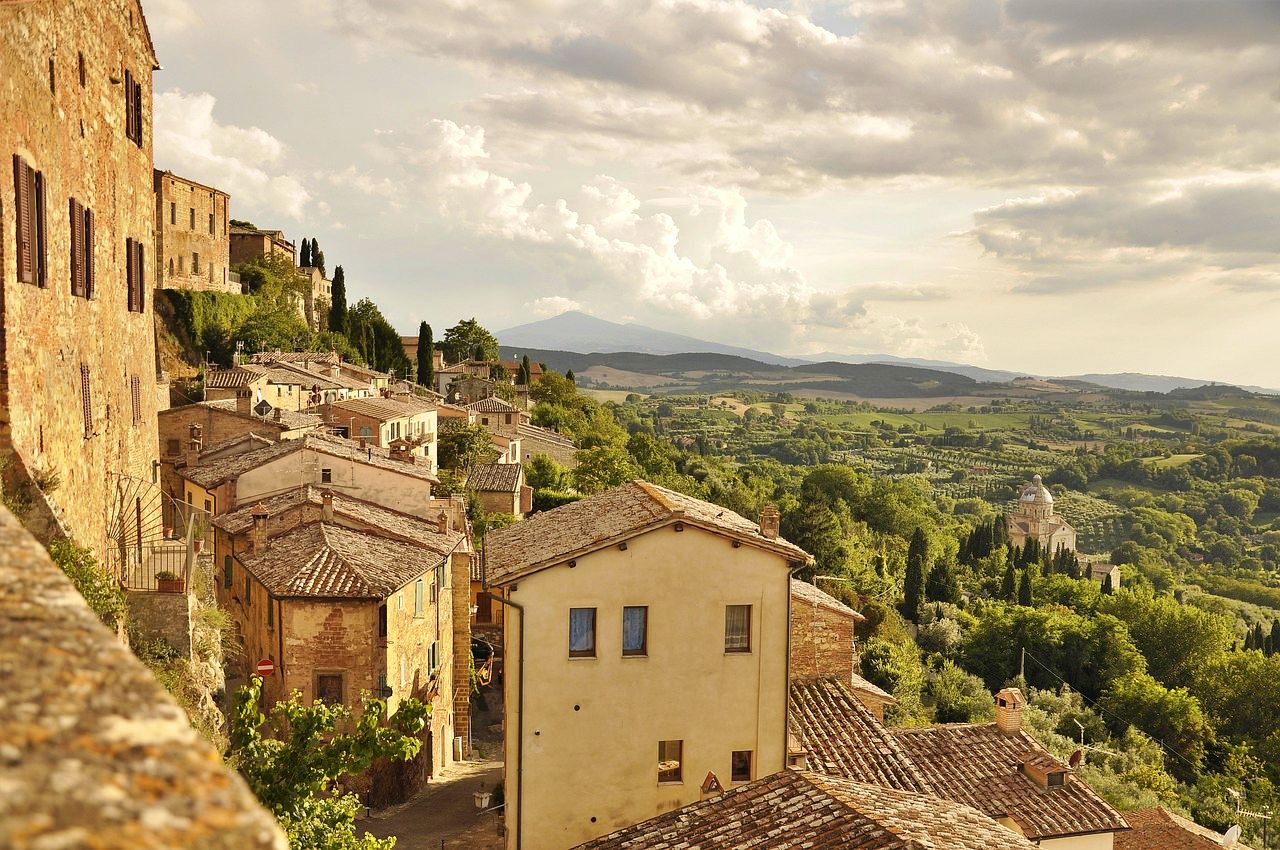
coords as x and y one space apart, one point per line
976 372
575 331
1139 382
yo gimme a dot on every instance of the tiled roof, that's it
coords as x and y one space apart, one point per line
793 809
224 469
255 440
861 685
382 409
813 595
844 739
1161 829
977 764
322 376
290 419
550 537
495 477
328 561
295 357
493 404
231 379
389 523
534 432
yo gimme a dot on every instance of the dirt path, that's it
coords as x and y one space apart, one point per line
444 815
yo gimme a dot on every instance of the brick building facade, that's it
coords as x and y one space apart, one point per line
249 243
822 634
193 241
77 224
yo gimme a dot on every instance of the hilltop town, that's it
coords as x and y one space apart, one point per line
276 574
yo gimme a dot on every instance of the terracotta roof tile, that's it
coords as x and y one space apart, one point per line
234 378
534 432
290 419
496 477
224 469
1161 829
844 739
492 404
861 685
790 810
811 594
384 409
550 537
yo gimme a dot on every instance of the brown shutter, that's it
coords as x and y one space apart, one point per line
77 248
87 242
128 104
37 194
140 276
137 113
135 386
86 400
130 271
22 204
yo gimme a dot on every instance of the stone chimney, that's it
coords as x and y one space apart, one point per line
442 522
193 446
278 415
244 401
770 521
334 371
326 502
258 540
1009 705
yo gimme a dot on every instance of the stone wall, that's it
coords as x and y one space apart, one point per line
93 752
70 125
193 245
822 641
163 616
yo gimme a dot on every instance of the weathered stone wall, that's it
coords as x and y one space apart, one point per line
93 752
531 444
460 588
74 133
163 616
822 641
191 221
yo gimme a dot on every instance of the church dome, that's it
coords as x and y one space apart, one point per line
1035 493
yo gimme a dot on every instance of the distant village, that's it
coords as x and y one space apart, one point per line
654 673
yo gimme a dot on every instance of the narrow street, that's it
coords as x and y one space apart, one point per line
444 814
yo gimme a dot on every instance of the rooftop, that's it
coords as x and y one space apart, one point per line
813 595
536 432
495 477
290 419
791 809
493 404
383 409
233 378
554 536
328 561
1161 829
224 469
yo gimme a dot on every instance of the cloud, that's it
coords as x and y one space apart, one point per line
552 305
171 17
247 162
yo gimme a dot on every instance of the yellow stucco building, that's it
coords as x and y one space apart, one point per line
646 648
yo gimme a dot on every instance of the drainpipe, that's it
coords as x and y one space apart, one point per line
786 713
484 583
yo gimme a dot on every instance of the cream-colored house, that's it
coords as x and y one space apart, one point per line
1034 518
646 648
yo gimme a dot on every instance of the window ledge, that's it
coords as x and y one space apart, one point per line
635 655
671 782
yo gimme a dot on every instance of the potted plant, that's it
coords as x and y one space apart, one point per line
170 582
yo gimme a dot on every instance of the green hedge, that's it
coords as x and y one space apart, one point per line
207 318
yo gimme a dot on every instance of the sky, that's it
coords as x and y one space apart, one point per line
1041 186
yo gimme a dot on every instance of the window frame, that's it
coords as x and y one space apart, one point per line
643 649
228 572
595 620
342 686
672 776
734 775
734 649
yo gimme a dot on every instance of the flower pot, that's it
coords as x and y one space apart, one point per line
171 585
198 545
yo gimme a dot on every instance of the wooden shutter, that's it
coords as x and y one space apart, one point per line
139 272
22 205
128 104
37 194
135 388
77 247
87 241
86 400
131 272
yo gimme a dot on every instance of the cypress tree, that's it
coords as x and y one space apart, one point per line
1000 536
526 373
1259 637
317 259
571 377
1009 587
1107 586
426 350
1275 636
338 309
913 589
304 253
1024 589
942 585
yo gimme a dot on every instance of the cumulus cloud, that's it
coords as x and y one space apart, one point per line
552 305
247 162
170 17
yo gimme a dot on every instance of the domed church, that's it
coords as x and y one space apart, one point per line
1034 518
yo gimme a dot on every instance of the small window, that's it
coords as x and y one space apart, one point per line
29 209
635 630
182 265
670 761
135 390
86 400
433 658
193 218
271 613
366 431
248 590
329 688
210 224
171 267
226 571
208 506
1057 779
741 766
172 446
382 621
400 601
737 628
53 81
582 633
173 213
195 263
404 671
326 476
417 598
80 66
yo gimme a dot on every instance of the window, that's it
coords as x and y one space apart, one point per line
433 658
172 446
193 219
1056 779
329 688
81 250
171 267
417 598
326 476
248 590
80 66
195 263
737 628
404 671
226 571
582 633
366 431
182 265
434 593
508 418
135 390
635 630
173 213
132 109
28 189
382 621
208 506
210 224
271 613
135 274
86 400
53 80
670 757
400 601
741 766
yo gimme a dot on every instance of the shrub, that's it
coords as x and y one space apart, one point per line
98 587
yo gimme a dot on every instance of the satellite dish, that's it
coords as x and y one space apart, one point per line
1231 837
1076 758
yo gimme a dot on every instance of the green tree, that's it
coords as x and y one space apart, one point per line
463 447
426 356
1173 717
466 339
295 771
913 585
942 584
338 305
653 457
304 253
1009 586
570 377
1024 589
377 341
602 467
541 472
1177 640
959 697
526 374
896 668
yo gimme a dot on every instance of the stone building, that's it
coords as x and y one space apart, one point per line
822 640
77 228
535 440
386 422
498 416
193 243
500 488
1034 519
250 243
645 646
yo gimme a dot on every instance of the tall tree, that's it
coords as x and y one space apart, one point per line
304 253
913 587
570 377
338 309
466 339
313 252
942 585
1009 587
1108 586
426 356
526 373
317 259
1024 589
1275 637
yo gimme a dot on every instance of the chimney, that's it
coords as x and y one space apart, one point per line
193 446
334 371
769 521
443 522
1009 705
326 501
244 401
278 414
258 541
362 443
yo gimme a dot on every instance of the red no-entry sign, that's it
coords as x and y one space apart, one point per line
266 667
